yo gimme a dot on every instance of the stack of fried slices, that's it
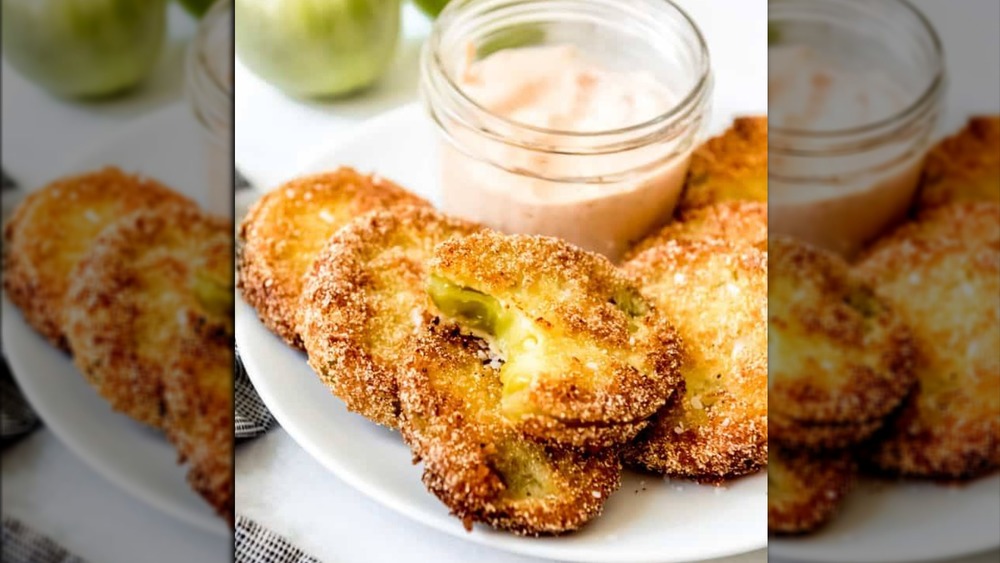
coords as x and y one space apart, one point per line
135 281
521 370
891 365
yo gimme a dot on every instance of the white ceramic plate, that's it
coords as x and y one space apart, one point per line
647 520
138 459
904 522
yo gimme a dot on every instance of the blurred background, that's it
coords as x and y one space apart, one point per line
847 166
143 85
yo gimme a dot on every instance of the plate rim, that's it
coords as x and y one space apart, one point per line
797 558
246 314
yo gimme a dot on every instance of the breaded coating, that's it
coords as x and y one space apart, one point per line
150 280
738 221
968 222
588 360
821 435
840 357
732 166
480 466
947 288
805 489
364 299
53 228
199 398
715 293
964 167
285 230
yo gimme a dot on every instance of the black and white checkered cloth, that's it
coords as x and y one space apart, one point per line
21 544
8 182
253 542
16 416
252 418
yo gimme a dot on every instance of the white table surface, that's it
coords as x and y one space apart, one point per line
42 482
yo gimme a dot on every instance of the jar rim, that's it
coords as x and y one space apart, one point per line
204 81
691 97
218 10
915 108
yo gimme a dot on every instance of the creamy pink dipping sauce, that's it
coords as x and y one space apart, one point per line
601 202
810 91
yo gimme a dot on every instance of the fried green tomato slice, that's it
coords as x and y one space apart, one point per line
737 221
199 421
715 293
840 358
150 281
967 223
805 489
479 465
54 228
587 359
732 166
965 166
285 230
364 299
947 288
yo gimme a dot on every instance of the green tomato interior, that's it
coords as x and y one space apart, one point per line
215 295
517 338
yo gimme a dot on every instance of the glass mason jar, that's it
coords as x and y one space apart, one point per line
846 142
600 189
209 90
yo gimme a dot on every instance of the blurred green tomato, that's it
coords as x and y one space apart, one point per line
83 48
196 8
431 7
317 47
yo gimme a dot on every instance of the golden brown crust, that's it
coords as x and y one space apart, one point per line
138 293
53 228
199 418
732 166
479 465
823 436
715 293
285 230
363 300
805 490
737 221
942 273
965 166
966 223
593 360
839 356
